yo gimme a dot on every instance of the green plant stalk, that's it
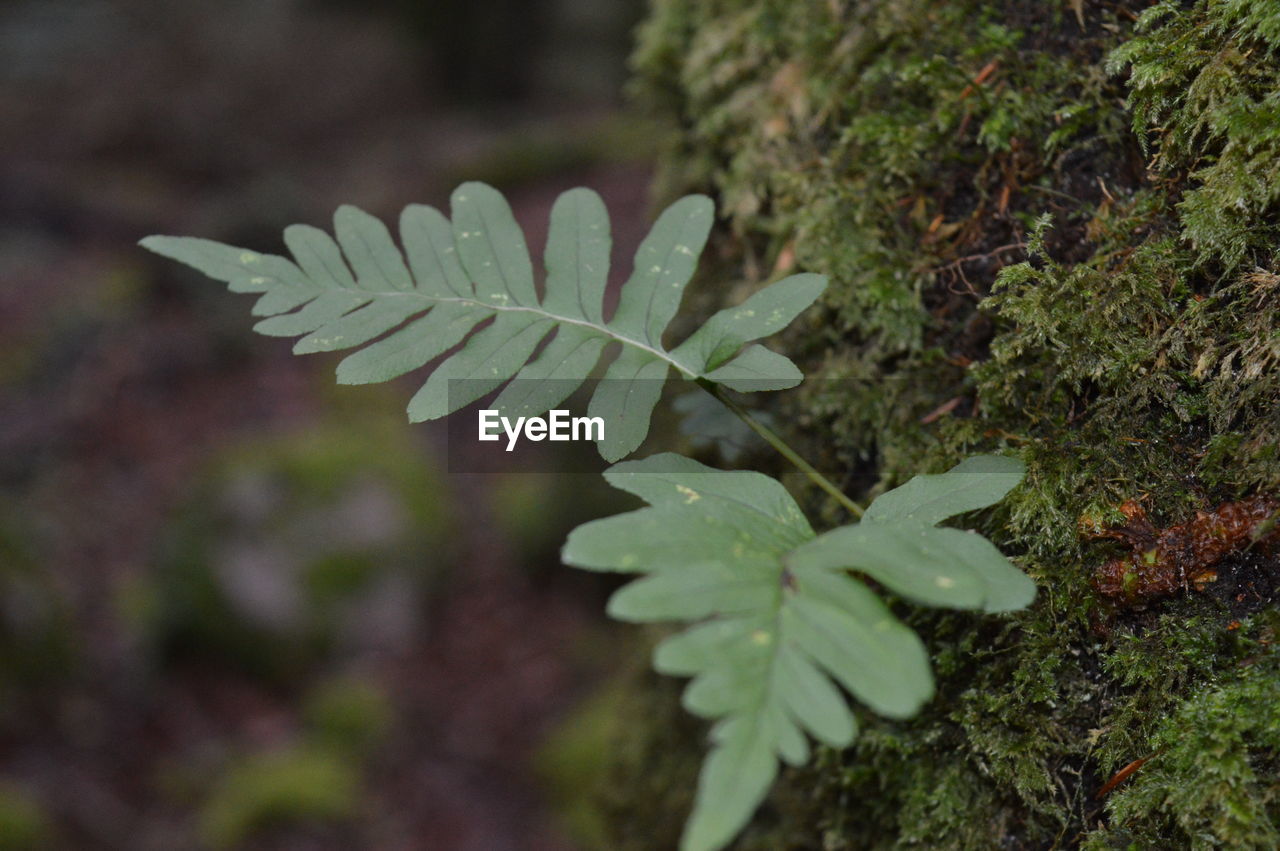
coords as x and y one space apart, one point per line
771 437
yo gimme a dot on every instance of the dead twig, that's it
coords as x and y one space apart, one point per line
956 267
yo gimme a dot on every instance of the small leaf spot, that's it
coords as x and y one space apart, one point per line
945 582
690 495
248 257
761 638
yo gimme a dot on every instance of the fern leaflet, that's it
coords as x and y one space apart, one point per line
781 621
460 274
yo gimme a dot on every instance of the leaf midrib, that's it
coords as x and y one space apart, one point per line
602 330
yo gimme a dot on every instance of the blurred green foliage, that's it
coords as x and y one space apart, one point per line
573 763
301 785
315 781
285 538
348 715
37 636
24 824
152 621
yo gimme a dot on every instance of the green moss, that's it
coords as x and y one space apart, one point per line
573 762
1204 95
1049 237
1212 775
290 787
654 753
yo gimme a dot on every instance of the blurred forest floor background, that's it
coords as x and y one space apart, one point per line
241 607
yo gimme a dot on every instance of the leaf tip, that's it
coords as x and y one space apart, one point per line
346 213
1016 594
472 187
346 375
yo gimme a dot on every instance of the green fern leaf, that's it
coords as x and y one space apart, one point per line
974 483
780 621
949 567
403 310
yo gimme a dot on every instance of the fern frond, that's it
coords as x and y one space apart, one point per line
359 292
781 621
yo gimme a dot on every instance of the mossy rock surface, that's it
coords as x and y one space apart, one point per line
1051 231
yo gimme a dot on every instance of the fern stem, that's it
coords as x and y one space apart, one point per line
771 437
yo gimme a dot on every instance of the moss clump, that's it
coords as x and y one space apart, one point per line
300 786
1213 768
1204 101
1048 233
654 751
574 758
